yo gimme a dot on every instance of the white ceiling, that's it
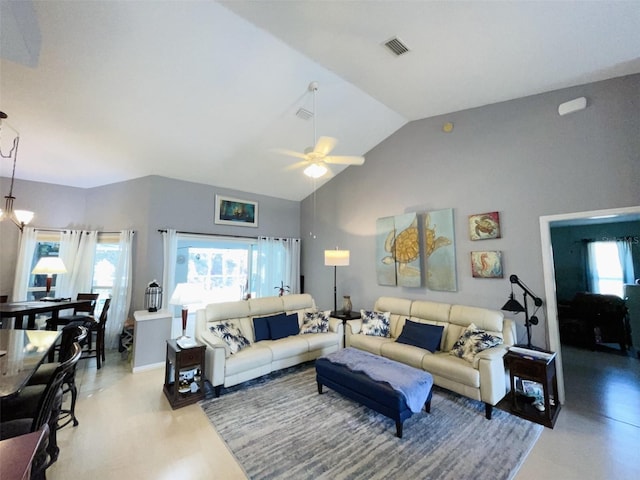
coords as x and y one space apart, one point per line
203 91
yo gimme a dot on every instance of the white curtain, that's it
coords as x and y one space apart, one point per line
170 248
278 265
121 293
592 269
28 241
68 253
626 261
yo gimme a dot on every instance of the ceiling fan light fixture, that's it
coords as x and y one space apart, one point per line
315 170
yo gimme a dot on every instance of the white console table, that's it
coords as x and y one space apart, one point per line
150 335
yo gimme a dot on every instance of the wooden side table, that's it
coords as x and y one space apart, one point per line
539 367
186 365
345 316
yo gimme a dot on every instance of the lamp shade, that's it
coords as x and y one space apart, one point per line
187 294
336 258
49 266
513 305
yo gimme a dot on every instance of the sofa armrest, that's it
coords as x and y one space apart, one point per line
213 342
335 325
354 326
490 365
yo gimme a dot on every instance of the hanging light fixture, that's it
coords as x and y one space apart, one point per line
19 217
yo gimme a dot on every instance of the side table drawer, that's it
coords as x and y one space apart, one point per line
191 356
527 369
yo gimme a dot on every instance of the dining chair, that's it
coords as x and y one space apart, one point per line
97 329
37 405
71 334
80 313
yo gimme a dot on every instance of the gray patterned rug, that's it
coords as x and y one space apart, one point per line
279 427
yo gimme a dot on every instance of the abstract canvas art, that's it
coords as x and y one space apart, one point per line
439 250
487 264
398 246
483 226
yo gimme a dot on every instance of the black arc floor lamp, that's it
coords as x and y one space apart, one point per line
513 305
336 258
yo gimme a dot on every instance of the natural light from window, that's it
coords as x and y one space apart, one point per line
610 279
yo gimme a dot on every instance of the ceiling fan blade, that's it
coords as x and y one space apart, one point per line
295 166
325 145
345 160
291 153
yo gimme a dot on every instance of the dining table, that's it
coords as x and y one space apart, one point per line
21 353
19 310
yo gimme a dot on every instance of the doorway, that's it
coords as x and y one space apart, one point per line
546 222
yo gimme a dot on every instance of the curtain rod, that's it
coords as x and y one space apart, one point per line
163 230
65 230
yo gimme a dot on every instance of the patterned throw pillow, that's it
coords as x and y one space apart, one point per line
472 341
231 335
316 322
375 324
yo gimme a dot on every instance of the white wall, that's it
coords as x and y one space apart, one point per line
518 157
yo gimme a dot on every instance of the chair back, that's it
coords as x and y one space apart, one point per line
47 400
103 314
88 308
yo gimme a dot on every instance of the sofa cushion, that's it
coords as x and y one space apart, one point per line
473 341
316 322
281 326
231 336
261 328
375 323
421 335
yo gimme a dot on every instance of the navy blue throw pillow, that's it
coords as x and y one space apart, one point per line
261 328
423 335
283 327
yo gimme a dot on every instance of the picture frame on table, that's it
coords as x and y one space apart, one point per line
235 211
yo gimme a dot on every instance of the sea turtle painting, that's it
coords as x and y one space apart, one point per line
403 250
439 252
484 225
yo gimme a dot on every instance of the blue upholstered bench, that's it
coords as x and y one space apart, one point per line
377 394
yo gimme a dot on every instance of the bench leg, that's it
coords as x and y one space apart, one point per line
398 429
427 404
488 410
216 390
319 388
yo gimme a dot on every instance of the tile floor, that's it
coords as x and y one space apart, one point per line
127 429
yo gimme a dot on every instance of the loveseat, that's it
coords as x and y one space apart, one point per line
231 360
481 376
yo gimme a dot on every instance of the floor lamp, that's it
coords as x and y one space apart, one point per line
513 305
336 258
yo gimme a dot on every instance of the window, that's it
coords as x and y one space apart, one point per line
221 266
48 245
606 269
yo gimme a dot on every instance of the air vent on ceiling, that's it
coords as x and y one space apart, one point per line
396 46
304 114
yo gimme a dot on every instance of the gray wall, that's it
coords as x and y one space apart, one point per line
144 205
518 157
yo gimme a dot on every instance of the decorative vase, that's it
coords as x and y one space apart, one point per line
346 304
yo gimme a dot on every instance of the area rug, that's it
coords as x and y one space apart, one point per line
280 427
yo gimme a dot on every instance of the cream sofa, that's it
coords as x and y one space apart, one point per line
225 369
484 379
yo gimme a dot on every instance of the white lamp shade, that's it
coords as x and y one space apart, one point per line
336 258
315 170
49 266
187 294
23 216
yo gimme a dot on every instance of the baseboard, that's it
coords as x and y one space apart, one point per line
151 366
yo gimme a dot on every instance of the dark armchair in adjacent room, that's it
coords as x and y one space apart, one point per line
591 319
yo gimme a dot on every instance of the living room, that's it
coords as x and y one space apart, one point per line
517 157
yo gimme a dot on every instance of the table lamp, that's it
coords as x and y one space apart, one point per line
49 266
184 295
336 258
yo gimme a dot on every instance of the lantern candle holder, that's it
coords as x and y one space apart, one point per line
153 297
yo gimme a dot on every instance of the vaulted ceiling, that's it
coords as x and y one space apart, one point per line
205 91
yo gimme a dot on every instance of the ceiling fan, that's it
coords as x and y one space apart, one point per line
317 157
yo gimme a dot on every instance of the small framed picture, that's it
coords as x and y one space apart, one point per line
483 226
233 211
487 264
